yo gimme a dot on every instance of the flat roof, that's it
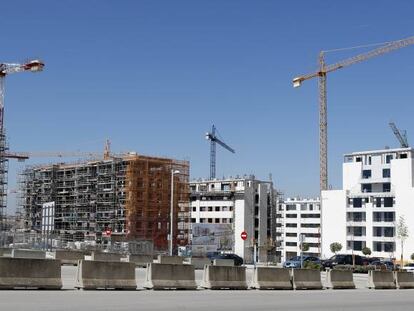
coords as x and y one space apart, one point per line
381 151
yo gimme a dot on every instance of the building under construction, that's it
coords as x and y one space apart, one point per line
124 198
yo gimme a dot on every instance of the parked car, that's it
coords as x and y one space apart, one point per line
238 261
408 267
343 259
382 265
294 262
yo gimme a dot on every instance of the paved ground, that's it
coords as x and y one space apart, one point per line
69 299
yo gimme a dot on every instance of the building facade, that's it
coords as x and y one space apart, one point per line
298 216
121 198
377 191
243 205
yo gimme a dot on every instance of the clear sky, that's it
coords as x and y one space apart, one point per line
154 75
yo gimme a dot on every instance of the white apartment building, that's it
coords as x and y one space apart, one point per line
246 203
377 190
296 217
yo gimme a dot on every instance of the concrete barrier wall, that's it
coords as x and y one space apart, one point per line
199 263
381 280
340 279
224 277
98 256
139 260
105 275
271 278
5 252
169 276
171 260
28 253
306 279
30 273
68 257
223 262
404 280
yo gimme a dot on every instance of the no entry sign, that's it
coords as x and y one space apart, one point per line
243 235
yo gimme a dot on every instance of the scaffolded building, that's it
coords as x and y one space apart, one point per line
128 196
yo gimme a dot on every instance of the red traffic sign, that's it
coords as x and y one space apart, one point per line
243 235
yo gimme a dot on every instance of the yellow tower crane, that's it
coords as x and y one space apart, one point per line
321 73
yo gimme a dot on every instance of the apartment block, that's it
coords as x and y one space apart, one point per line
377 190
242 204
299 217
128 196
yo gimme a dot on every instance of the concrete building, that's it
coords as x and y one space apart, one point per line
247 204
120 198
296 217
377 190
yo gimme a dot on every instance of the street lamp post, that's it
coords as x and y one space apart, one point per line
173 172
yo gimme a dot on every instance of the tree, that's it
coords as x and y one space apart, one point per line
402 234
304 247
412 256
335 247
366 251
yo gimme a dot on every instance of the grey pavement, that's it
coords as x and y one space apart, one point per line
70 299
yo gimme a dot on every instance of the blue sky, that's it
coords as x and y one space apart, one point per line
154 75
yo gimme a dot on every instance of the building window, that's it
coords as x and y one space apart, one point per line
193 220
386 173
210 220
291 244
230 220
378 202
366 188
386 187
202 220
358 159
388 202
389 247
310 225
291 216
210 208
291 234
357 202
403 156
203 208
224 221
303 207
366 174
217 220
291 207
388 158
389 232
217 208
194 208
357 245
291 225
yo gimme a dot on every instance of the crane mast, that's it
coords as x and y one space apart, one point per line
400 135
321 73
6 69
211 136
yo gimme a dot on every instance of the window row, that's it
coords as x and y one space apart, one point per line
213 220
214 208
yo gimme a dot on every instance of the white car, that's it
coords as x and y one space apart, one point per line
408 267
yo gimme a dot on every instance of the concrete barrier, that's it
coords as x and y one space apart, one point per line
224 277
381 280
306 279
68 257
199 263
105 275
271 278
340 279
170 260
30 273
223 262
108 257
5 252
28 253
169 276
404 280
139 260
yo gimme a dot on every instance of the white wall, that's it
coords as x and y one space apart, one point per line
333 215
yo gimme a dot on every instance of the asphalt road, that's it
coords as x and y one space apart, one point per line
73 300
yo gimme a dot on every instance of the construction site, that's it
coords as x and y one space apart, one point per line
106 202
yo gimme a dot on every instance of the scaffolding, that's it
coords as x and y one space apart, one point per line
128 196
148 200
